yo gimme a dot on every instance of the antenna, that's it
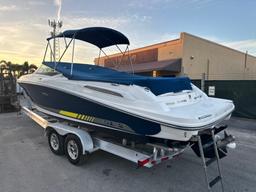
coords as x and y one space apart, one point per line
56 27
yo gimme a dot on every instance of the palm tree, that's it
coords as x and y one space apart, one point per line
3 64
25 67
17 69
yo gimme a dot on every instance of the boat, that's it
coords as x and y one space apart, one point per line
161 108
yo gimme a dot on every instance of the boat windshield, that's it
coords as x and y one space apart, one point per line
45 70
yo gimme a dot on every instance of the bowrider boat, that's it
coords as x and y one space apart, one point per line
170 109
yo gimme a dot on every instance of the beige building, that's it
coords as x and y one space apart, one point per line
189 55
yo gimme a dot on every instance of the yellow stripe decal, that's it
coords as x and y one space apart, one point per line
77 116
68 114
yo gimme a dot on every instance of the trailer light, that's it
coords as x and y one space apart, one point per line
141 163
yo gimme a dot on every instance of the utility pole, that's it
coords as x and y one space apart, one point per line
208 70
245 59
203 82
245 63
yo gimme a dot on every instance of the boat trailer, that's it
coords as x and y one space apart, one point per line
76 142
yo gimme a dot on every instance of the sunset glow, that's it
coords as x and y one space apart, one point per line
24 27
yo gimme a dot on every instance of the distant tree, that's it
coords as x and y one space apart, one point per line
2 62
17 69
25 67
32 68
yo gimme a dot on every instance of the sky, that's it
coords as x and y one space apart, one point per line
24 27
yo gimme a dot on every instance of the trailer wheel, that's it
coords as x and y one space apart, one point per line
56 142
73 149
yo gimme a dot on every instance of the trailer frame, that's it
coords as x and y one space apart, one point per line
90 143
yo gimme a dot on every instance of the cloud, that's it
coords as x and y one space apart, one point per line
168 37
140 18
94 21
40 26
241 45
244 45
113 22
200 2
147 3
8 7
19 44
39 3
8 29
153 4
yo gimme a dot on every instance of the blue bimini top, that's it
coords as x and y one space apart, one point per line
85 72
98 36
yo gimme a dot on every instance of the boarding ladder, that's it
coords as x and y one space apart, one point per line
207 163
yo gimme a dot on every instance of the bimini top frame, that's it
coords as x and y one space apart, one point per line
99 36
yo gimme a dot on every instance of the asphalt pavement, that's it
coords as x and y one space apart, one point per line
28 165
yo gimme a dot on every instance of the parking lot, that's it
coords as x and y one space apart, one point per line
27 164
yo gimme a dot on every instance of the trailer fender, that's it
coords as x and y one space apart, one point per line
85 137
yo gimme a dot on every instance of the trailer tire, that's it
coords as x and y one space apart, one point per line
73 149
56 142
